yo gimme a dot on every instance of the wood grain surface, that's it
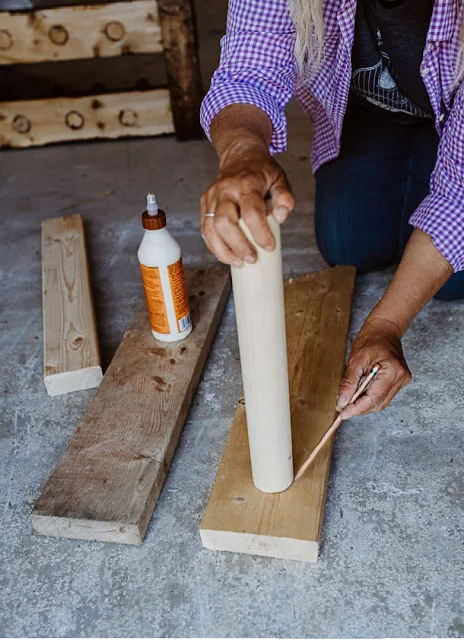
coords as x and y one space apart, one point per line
30 123
180 42
107 482
85 31
71 355
238 516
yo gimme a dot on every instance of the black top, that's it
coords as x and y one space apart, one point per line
388 47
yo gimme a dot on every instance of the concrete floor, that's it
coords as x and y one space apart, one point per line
392 559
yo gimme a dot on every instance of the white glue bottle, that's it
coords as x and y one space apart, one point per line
163 277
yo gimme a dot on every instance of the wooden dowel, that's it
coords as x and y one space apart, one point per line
259 308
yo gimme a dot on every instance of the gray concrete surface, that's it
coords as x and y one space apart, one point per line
391 562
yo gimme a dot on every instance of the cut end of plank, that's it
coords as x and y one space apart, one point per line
257 545
78 380
56 527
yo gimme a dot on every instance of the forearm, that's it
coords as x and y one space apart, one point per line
422 272
240 128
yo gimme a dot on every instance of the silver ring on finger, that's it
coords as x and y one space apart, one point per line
211 214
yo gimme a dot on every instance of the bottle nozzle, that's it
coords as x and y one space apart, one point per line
152 206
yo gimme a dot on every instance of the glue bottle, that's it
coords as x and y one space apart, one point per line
163 277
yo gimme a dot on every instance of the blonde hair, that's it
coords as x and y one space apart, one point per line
308 17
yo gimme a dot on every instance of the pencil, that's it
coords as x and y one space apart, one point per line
329 433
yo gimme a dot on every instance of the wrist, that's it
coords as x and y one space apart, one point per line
377 320
241 147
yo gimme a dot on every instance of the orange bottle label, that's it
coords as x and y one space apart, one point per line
155 299
179 295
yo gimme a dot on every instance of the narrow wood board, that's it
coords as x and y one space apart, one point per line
238 516
31 123
106 485
180 41
85 31
71 355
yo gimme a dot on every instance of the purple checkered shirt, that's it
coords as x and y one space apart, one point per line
258 67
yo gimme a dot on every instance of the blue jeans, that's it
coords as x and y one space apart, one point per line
365 197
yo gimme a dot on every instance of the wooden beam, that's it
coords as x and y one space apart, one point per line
106 484
71 355
238 516
86 31
178 27
115 115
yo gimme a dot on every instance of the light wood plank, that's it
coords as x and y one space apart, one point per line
106 484
114 115
238 516
71 355
86 31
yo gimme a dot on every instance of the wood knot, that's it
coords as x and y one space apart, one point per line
128 118
114 31
74 120
239 499
58 34
21 124
6 40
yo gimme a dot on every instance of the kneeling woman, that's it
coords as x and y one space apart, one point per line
381 81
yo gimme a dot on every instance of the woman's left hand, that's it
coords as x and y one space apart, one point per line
378 342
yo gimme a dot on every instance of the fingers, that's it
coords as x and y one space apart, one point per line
220 249
253 211
241 193
388 381
226 225
348 386
222 233
213 240
283 201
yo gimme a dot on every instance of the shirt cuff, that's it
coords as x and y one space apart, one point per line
223 95
443 221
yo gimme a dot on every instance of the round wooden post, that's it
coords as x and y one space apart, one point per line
259 308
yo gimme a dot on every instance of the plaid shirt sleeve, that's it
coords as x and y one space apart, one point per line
441 213
257 64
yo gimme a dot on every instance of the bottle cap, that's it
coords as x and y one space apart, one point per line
153 218
154 222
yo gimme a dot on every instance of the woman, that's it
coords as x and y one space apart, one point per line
381 81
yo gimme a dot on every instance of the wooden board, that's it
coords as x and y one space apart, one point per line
86 31
71 355
179 34
116 115
106 484
238 516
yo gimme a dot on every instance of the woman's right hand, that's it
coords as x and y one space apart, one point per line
250 185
